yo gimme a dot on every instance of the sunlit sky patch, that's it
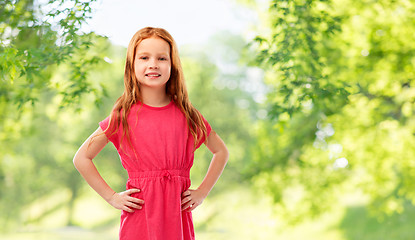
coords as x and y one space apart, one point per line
189 21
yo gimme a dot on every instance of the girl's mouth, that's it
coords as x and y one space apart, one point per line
152 75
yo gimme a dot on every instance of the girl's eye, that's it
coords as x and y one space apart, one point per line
163 59
144 58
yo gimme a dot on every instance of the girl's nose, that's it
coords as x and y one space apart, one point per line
152 64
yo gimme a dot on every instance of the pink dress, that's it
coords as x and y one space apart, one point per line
160 167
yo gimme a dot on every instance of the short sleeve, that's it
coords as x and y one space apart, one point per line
111 137
208 130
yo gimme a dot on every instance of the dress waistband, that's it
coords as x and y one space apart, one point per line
159 173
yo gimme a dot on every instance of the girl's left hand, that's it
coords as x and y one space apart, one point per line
191 199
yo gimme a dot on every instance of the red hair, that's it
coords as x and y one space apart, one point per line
175 88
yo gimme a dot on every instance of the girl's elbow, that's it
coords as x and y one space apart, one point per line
75 161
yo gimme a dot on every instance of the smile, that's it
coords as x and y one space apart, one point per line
152 75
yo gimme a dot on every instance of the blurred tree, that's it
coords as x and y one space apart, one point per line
36 162
299 33
35 40
341 107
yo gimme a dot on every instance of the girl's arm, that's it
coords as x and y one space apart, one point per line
193 198
84 164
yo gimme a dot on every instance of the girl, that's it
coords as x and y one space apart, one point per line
155 130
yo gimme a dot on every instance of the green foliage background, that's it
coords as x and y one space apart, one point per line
342 80
327 155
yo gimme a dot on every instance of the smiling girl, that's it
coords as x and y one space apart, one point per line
156 131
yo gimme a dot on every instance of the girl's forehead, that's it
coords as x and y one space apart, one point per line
153 44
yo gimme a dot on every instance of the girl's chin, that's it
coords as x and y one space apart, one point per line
153 85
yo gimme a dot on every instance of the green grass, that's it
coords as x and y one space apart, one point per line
359 224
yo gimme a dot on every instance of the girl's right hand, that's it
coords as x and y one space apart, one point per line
124 201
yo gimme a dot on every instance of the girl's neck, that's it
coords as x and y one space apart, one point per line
154 97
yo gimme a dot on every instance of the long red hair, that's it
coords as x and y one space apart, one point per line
175 88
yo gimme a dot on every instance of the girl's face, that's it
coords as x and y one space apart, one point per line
152 63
